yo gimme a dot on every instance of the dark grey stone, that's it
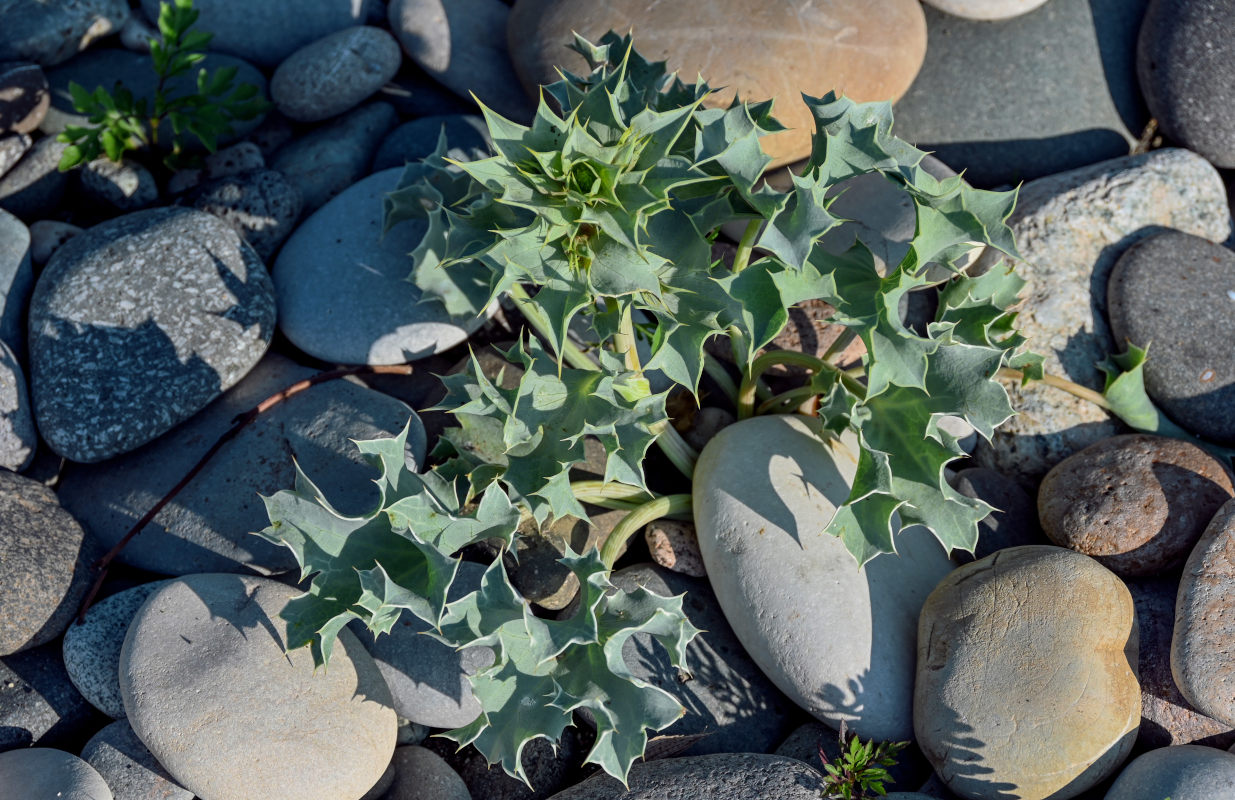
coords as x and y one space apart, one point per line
462 43
268 31
731 776
1014 521
107 67
335 73
18 438
138 323
40 772
92 647
415 94
34 186
466 136
16 280
342 285
1174 291
12 147
46 562
262 206
128 767
124 186
421 774
428 679
23 87
48 33
39 705
1187 772
548 768
1186 66
326 161
46 237
209 526
804 744
1042 93
725 694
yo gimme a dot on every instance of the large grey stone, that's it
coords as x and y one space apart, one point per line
764 490
210 690
34 186
48 33
1186 772
1205 621
724 693
46 562
106 67
334 73
268 31
421 774
16 280
1027 675
325 162
1071 228
733 776
209 526
342 285
1184 62
467 139
18 438
128 767
38 703
462 43
1070 66
92 647
138 323
1173 291
43 773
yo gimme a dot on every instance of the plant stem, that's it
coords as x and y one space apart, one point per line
632 522
747 245
717 372
746 395
610 495
624 341
1074 389
792 396
833 353
537 319
675 448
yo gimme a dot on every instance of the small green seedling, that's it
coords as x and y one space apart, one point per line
861 770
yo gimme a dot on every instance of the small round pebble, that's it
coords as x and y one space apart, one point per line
674 546
124 186
1135 502
422 774
46 236
334 74
128 767
261 206
92 648
39 773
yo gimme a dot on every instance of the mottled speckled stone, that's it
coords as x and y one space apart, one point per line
18 438
334 73
16 279
34 186
1070 229
734 776
42 773
138 323
48 33
45 564
92 648
128 767
127 186
262 206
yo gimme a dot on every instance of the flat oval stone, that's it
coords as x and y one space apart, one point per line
23 88
209 526
1071 228
467 139
758 50
422 774
12 147
1027 675
1184 63
16 279
46 562
34 186
128 767
986 9
342 285
1137 503
734 776
1205 621
1172 291
1186 772
335 73
138 323
92 647
210 690
764 490
126 186
39 772
262 31
48 33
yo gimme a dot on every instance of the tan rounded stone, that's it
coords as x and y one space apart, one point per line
869 51
1137 503
1026 681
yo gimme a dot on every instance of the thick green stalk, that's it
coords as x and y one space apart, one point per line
571 353
795 396
747 245
1074 389
720 376
632 522
746 395
614 495
675 448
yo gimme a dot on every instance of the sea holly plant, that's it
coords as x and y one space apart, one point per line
597 221
120 122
